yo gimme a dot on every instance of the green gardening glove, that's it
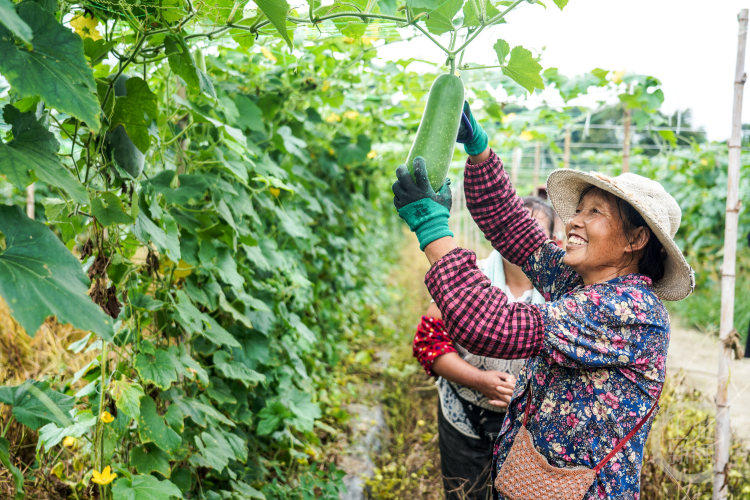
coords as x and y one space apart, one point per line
425 211
470 133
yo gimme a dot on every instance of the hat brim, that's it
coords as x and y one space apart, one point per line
564 188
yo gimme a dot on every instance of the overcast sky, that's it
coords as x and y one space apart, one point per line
690 45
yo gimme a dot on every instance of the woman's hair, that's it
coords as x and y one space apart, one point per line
537 204
654 256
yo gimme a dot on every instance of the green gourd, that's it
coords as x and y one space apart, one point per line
436 136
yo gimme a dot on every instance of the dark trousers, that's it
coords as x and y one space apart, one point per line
465 462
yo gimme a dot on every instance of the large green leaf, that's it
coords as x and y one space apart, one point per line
561 3
276 11
440 19
35 404
236 370
14 471
524 69
180 60
152 429
9 18
108 210
149 458
32 154
144 487
127 397
39 277
160 369
55 69
135 111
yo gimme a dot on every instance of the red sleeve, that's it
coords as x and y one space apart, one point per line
430 342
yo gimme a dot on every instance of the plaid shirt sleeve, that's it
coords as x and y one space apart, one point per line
430 342
499 211
479 316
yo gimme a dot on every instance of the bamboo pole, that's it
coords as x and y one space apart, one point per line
537 165
30 200
566 149
721 452
626 142
515 166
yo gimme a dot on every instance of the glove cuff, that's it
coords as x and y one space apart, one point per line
478 144
428 219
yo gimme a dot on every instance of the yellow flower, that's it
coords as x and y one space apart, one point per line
348 39
275 191
107 417
104 477
326 86
371 155
351 115
333 117
617 76
268 54
70 442
704 162
85 26
526 135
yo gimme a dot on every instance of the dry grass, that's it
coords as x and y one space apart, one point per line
409 466
22 358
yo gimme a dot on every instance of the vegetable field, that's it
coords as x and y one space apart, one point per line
198 247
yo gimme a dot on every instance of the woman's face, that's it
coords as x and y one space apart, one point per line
597 248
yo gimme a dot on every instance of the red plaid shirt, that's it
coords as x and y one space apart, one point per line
478 315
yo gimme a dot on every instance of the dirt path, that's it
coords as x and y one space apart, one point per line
697 355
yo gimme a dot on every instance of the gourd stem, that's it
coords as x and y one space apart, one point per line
488 23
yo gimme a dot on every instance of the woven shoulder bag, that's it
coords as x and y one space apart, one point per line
526 474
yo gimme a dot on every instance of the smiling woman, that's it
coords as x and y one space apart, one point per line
596 349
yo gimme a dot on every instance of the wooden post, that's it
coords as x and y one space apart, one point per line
537 165
721 452
626 143
515 166
30 200
566 150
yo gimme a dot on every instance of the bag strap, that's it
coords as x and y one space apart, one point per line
619 445
624 440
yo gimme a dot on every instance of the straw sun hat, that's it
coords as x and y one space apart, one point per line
658 208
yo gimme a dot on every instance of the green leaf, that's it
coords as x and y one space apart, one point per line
54 69
9 18
135 111
161 368
148 458
144 487
180 60
14 471
250 115
165 241
561 3
33 152
127 397
473 12
440 20
152 429
524 69
39 277
50 435
194 321
108 210
236 370
35 404
501 49
276 11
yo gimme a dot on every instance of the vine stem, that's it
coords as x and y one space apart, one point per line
488 23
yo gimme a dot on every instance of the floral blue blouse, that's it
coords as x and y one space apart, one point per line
605 349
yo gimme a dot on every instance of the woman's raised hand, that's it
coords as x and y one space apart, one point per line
471 134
